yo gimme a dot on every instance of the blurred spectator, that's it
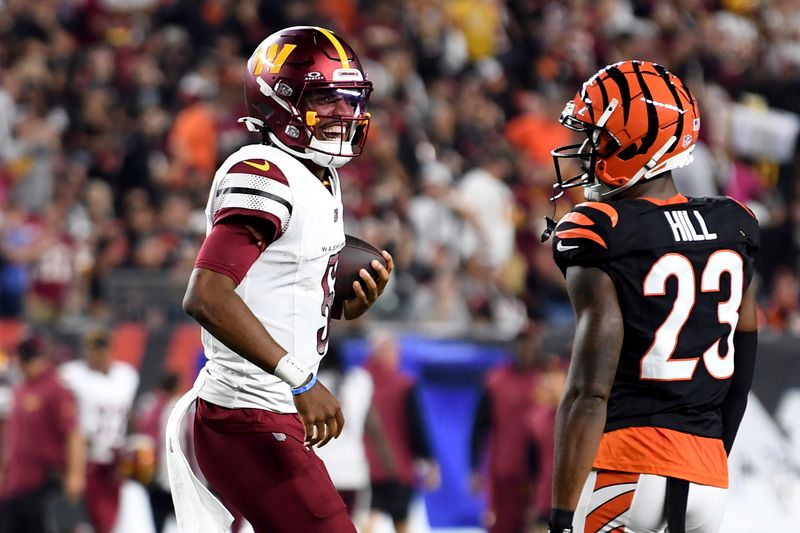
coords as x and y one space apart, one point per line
397 403
501 429
104 389
783 307
152 412
533 130
434 223
43 464
18 247
540 430
439 307
346 457
479 21
193 139
486 203
53 272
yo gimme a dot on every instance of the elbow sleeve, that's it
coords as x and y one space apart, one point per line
745 345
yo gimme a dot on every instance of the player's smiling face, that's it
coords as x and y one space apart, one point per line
332 104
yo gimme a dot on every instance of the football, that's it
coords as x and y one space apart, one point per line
355 255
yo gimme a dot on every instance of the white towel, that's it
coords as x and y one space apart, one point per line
196 509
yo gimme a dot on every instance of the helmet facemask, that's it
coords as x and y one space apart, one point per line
338 123
599 144
320 112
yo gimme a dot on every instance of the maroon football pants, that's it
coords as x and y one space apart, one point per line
257 462
103 485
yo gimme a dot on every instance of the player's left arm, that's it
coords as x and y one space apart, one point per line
363 300
581 414
745 344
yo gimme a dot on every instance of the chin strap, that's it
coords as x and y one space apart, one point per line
253 124
550 222
550 227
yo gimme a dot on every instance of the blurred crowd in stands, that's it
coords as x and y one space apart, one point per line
115 113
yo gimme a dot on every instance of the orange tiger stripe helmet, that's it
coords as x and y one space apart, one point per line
640 121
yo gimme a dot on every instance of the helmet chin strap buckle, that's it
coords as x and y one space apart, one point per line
550 226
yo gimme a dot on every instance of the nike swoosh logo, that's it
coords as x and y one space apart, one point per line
262 168
561 248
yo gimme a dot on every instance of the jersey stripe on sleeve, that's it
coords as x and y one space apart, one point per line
603 208
256 186
581 233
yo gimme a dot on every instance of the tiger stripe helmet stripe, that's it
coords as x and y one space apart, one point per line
652 114
664 74
624 89
603 94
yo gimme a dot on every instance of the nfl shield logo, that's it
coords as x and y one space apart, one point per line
336 215
280 437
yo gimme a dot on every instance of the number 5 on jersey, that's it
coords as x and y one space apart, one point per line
657 363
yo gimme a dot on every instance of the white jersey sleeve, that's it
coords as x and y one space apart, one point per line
255 185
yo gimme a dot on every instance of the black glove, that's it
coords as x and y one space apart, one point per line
560 521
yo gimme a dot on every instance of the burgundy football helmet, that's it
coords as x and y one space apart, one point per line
305 89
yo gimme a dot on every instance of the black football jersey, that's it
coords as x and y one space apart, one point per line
680 268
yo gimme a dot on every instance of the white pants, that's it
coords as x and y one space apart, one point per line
636 503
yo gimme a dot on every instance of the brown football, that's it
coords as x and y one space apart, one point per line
355 255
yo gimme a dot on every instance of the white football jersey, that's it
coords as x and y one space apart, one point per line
104 403
290 286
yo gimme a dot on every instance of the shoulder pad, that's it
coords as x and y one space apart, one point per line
747 224
582 236
256 185
743 206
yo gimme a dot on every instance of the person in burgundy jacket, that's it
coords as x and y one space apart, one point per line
508 395
540 429
395 400
42 447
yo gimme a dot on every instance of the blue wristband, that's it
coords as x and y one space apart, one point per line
304 388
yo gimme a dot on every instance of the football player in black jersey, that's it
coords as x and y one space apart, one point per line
665 339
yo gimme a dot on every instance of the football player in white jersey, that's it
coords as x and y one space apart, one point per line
104 390
263 290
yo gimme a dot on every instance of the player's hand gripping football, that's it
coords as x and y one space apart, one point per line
321 414
363 300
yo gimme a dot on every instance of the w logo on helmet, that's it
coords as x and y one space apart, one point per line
276 56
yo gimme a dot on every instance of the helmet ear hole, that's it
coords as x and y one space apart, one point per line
265 109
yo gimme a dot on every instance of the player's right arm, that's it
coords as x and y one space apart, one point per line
581 413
